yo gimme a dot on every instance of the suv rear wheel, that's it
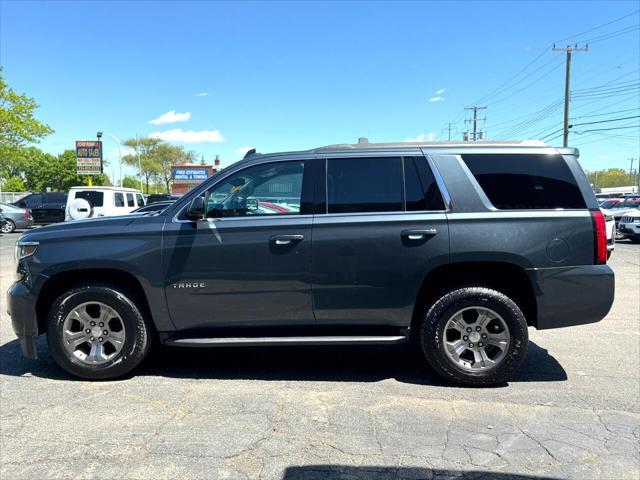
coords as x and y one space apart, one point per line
97 332
475 336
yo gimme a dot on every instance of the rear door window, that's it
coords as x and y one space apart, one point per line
525 181
421 190
130 201
118 199
356 185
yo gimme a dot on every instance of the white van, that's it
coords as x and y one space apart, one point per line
90 202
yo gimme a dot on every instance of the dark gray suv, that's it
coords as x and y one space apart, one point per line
458 246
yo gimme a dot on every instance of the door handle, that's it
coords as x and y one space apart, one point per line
286 239
418 234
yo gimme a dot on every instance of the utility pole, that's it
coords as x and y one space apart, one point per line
449 128
475 135
631 167
567 86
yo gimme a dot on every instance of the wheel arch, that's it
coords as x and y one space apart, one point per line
508 278
65 280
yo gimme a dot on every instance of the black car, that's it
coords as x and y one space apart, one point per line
162 197
152 207
458 247
46 207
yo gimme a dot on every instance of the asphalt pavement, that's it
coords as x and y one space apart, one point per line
332 413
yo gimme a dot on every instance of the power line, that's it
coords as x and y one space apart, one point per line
599 26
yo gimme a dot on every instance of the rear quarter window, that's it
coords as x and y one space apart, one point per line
94 197
525 182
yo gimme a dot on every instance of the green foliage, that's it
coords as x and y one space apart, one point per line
154 158
13 184
17 122
612 177
130 182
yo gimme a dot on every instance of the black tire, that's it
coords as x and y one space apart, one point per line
9 226
432 335
138 339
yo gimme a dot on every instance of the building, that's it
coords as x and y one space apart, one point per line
186 176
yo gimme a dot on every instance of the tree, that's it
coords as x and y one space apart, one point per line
168 155
144 157
155 159
13 184
17 122
612 177
130 182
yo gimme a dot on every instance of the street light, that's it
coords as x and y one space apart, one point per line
119 149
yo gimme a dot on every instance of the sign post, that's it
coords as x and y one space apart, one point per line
88 157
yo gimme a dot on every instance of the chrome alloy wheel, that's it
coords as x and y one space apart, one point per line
93 333
476 339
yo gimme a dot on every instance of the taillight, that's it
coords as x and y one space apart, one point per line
599 237
27 213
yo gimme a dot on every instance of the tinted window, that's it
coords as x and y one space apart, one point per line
32 200
364 185
118 199
130 201
140 200
96 199
421 190
269 189
525 181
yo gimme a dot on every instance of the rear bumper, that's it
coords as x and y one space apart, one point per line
567 296
21 306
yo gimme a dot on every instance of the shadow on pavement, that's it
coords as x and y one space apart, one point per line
348 472
329 363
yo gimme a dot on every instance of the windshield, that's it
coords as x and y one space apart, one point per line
628 204
10 208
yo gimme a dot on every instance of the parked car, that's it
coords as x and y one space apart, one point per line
610 202
630 225
46 207
152 207
162 197
90 202
15 218
610 224
621 209
459 246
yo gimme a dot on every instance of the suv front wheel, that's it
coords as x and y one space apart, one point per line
475 336
97 332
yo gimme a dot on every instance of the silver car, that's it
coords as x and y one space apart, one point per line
15 218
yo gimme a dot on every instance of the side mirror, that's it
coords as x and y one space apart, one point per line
196 208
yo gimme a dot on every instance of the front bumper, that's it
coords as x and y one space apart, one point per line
567 296
21 306
631 228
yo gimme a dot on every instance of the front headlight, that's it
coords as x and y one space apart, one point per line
636 219
25 249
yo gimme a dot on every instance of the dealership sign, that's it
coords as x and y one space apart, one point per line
190 174
88 157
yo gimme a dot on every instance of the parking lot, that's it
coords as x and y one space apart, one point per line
573 411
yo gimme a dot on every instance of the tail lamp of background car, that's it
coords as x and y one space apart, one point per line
27 214
600 237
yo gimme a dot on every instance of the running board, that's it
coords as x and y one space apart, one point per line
309 340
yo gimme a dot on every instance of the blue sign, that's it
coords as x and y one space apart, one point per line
188 174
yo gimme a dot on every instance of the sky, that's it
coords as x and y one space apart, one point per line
221 77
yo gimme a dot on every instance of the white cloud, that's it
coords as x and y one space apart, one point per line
242 150
422 137
441 91
201 94
436 98
602 157
171 117
188 136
